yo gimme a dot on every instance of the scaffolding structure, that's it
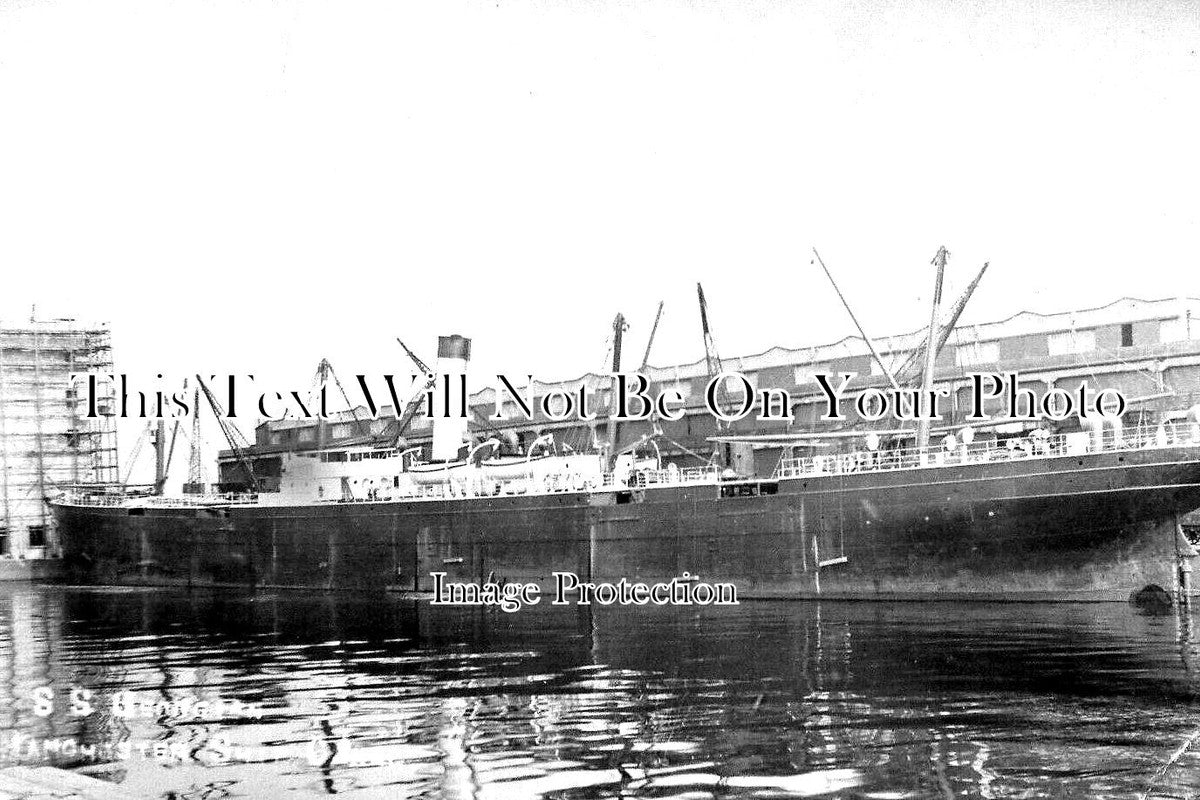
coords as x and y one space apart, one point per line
47 440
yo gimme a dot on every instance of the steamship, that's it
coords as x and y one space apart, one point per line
1012 510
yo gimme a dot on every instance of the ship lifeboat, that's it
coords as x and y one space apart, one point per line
512 468
435 473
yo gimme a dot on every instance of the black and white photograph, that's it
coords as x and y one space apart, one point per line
506 399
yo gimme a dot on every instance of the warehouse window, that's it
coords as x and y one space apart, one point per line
3 540
886 358
808 373
1178 329
1069 342
1127 335
37 535
975 353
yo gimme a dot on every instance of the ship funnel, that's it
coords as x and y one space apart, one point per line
450 421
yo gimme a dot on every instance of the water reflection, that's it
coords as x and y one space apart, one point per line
179 694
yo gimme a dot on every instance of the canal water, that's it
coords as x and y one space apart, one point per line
204 695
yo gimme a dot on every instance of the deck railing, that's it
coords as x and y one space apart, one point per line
473 486
1034 445
79 497
662 477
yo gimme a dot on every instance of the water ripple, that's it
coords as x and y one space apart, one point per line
181 695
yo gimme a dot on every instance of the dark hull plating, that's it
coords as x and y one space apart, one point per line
1076 527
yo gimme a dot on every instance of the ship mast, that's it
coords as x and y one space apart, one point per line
712 361
655 430
650 341
870 345
908 372
923 423
619 328
161 480
195 479
160 455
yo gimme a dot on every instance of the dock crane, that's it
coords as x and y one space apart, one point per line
237 442
410 410
325 371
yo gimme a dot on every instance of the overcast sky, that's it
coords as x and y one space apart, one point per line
248 186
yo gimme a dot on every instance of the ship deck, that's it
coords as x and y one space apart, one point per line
474 484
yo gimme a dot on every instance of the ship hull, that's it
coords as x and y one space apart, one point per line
1094 527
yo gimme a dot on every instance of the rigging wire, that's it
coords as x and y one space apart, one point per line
137 449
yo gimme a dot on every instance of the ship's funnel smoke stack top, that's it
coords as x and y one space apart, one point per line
450 421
